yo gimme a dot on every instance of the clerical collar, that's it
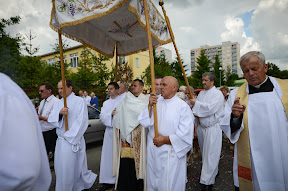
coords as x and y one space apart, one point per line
265 86
258 86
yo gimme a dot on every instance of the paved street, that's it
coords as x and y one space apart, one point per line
224 182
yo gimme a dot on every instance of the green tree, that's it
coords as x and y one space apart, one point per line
273 70
230 77
284 74
203 66
9 49
216 72
85 76
177 71
30 70
161 67
101 70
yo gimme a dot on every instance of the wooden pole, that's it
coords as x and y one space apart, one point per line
63 77
151 65
161 3
116 65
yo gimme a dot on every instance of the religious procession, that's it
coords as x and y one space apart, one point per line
151 139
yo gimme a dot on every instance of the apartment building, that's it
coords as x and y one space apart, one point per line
163 51
229 56
138 62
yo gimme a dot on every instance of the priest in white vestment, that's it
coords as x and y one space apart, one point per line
209 107
129 141
70 161
24 163
106 116
256 121
166 154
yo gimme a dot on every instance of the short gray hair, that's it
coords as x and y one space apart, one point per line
246 57
211 76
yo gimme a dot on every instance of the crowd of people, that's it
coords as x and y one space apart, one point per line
253 118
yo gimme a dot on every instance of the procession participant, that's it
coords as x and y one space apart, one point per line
24 163
209 108
166 154
256 121
87 98
158 86
70 153
129 141
122 89
106 116
46 105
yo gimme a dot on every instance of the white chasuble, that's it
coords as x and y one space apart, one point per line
106 164
209 108
24 162
166 165
70 153
268 137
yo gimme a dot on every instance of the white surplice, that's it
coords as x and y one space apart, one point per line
70 152
106 164
166 165
268 136
24 163
209 108
45 112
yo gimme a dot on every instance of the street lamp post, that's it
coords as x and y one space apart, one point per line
220 69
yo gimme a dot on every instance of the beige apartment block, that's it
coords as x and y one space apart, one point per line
229 56
138 62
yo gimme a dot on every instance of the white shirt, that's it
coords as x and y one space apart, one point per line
50 101
87 100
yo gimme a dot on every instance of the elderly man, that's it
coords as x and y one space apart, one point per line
46 105
122 89
106 116
87 98
70 153
256 120
24 163
166 154
129 142
209 108
80 93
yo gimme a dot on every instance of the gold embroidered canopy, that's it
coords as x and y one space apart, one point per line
104 24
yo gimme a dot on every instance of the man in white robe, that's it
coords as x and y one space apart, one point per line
256 121
129 141
166 154
70 153
106 116
24 163
209 107
158 86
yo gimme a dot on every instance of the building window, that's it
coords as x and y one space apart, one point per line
122 59
64 59
51 61
73 60
137 63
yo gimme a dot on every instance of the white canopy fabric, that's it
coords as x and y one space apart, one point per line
103 24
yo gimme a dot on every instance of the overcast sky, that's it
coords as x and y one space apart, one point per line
254 24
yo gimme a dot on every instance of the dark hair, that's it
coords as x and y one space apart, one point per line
68 83
210 75
116 86
140 82
47 85
158 77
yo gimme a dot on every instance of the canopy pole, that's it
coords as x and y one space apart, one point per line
151 65
161 3
116 65
63 77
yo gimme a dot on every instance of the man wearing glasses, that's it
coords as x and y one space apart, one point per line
46 105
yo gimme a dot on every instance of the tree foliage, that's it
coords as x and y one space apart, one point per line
203 66
29 47
218 74
9 49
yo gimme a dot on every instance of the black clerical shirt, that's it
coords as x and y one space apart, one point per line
235 123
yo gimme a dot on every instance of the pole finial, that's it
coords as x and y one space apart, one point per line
161 2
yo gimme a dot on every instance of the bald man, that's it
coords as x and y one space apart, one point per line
166 154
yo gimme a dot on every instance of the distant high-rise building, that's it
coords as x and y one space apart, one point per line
163 51
229 56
